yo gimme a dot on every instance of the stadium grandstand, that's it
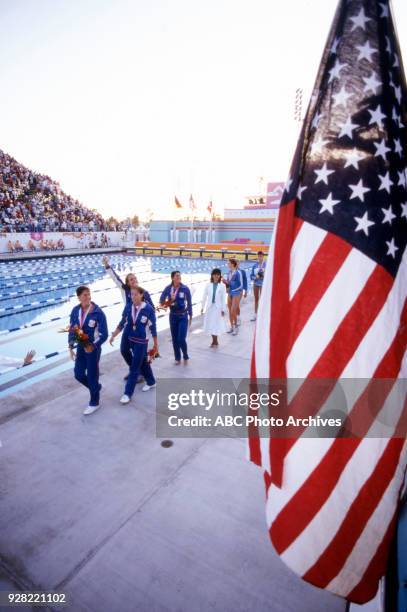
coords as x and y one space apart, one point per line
33 202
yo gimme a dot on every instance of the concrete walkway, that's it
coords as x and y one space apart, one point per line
95 507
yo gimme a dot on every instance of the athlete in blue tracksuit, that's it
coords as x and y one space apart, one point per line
244 292
92 320
257 276
234 283
136 318
178 297
130 282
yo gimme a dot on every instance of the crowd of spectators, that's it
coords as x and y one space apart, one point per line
88 241
32 202
43 245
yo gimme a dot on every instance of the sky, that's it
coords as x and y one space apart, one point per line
129 102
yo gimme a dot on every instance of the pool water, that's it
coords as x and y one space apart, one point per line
37 296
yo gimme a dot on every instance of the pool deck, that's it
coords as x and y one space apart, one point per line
95 507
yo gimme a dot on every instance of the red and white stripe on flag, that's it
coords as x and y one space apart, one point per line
331 503
334 305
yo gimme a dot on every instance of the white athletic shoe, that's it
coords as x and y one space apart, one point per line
91 409
254 318
230 331
124 399
235 331
148 387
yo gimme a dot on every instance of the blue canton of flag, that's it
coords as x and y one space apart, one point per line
349 172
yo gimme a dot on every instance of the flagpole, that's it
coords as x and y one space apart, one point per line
211 222
175 225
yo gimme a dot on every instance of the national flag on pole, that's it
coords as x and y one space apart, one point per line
177 203
209 207
192 204
334 303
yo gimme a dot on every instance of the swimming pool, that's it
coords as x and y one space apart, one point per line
37 296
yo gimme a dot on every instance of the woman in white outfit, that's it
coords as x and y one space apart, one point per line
214 298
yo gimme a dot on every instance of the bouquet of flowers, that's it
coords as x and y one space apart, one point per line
152 354
166 304
80 337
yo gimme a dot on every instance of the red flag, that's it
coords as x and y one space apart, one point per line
334 304
177 203
210 207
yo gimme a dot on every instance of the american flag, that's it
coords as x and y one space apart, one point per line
192 204
334 304
209 207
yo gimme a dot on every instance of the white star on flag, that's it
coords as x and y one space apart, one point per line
316 120
347 128
328 204
334 72
392 248
404 210
397 147
323 174
396 63
353 158
358 191
385 182
388 46
402 179
287 186
397 93
335 45
381 149
394 115
341 97
366 51
316 146
360 20
377 116
372 84
385 10
363 224
388 215
300 191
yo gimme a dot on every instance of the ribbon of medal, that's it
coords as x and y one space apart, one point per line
82 316
134 314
